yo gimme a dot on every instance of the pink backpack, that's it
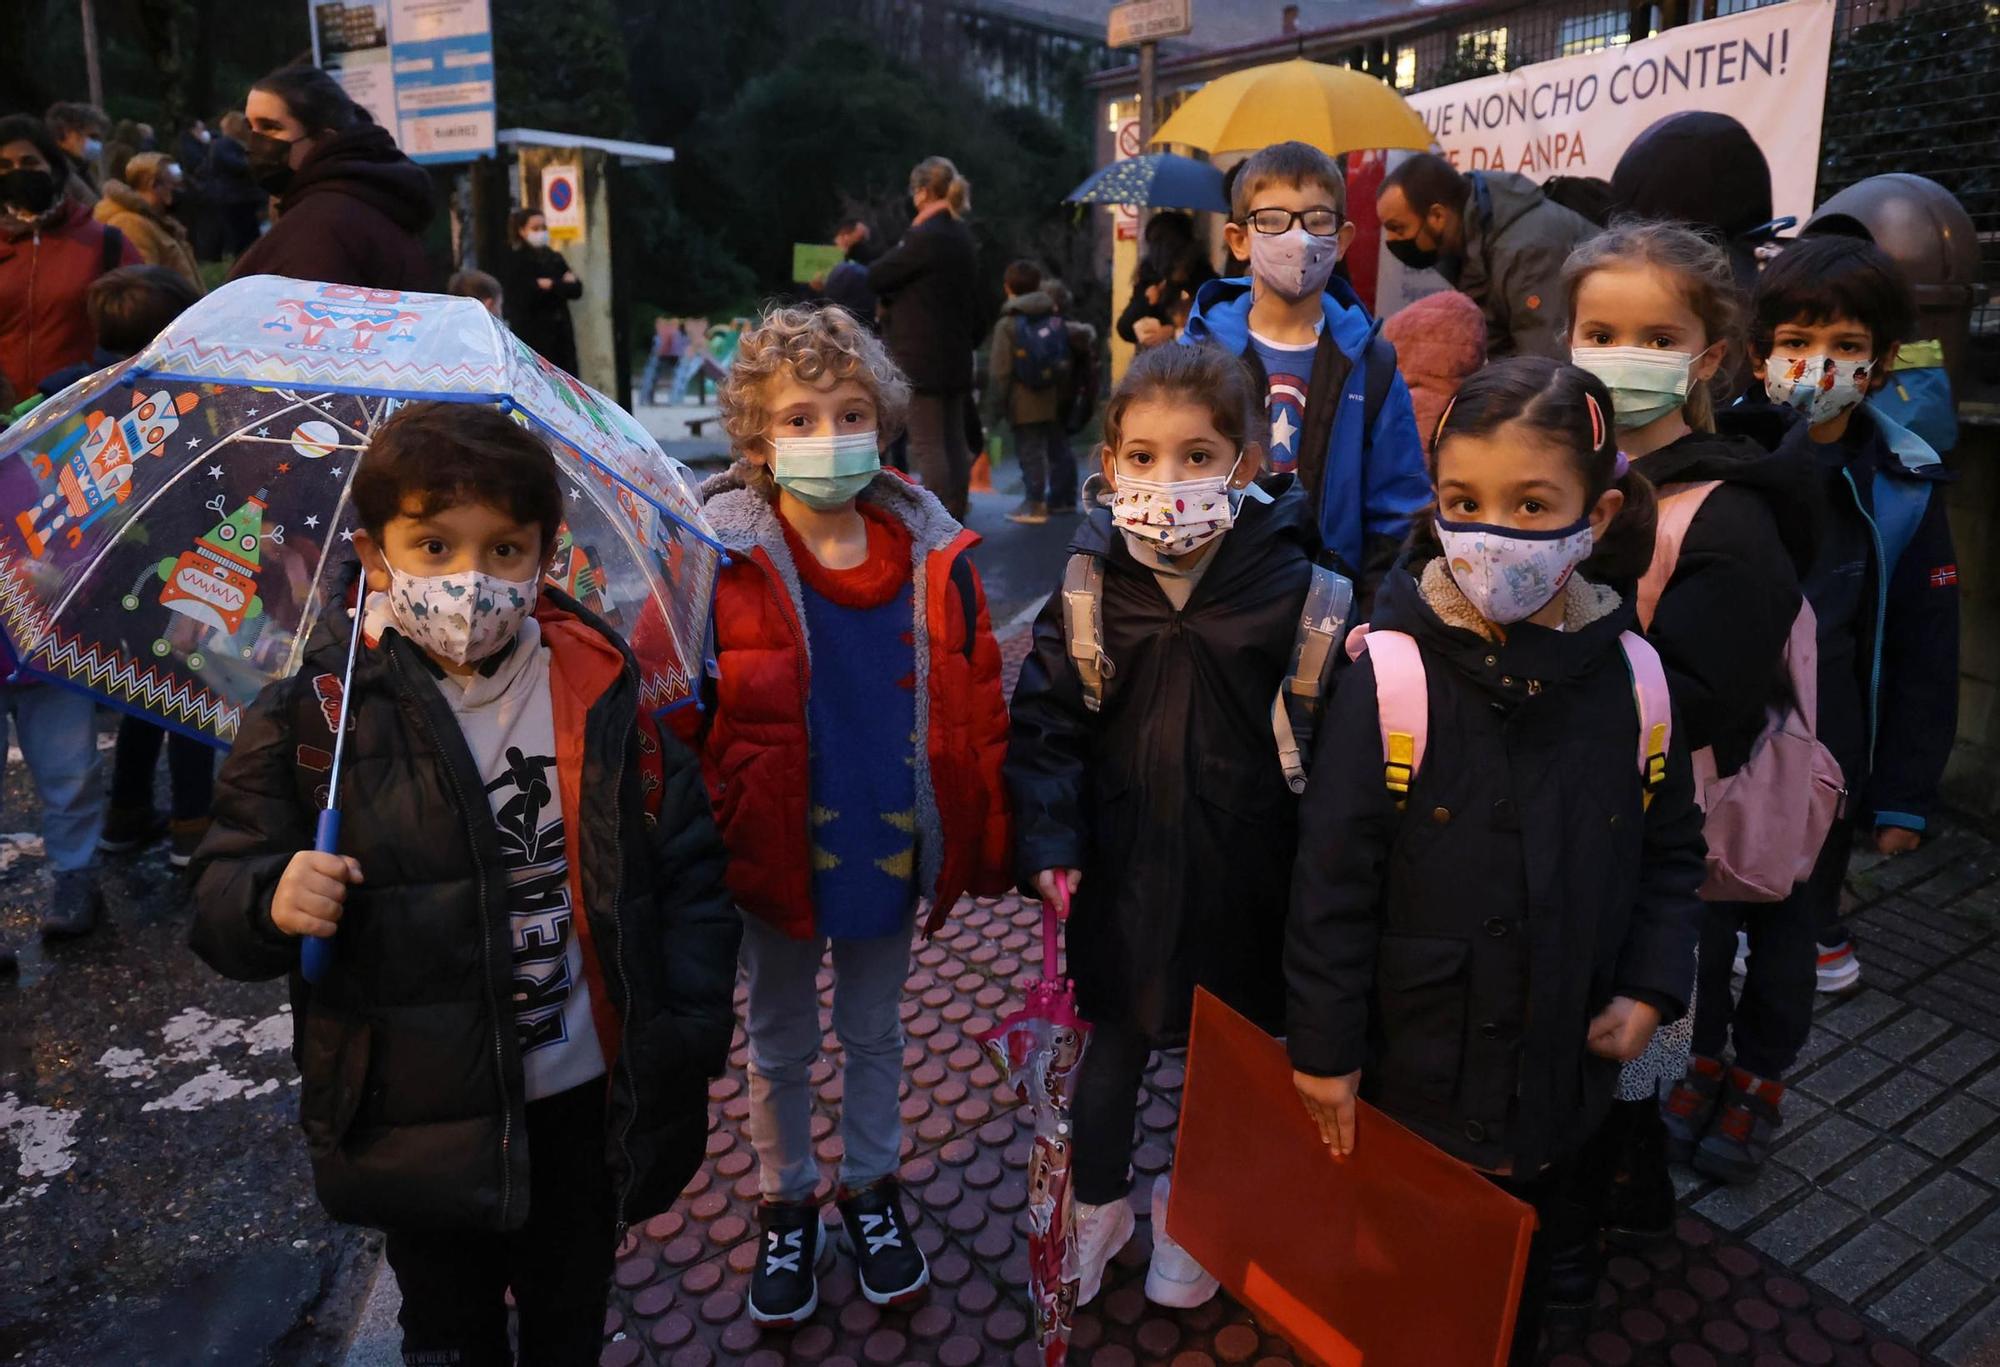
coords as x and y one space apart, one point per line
1765 822
1402 702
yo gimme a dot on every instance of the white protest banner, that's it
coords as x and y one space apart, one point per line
1575 116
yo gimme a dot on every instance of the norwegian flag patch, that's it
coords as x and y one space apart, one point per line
1944 576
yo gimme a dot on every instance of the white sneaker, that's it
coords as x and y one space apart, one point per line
1173 1278
1742 965
1100 1232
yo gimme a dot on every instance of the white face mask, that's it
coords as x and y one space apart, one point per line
536 237
463 617
1646 383
1820 387
1171 518
1294 263
826 472
1509 574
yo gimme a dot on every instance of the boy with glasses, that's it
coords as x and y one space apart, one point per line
1339 413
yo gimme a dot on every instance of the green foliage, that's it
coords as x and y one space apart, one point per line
1472 58
562 67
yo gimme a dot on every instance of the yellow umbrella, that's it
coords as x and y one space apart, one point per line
1335 108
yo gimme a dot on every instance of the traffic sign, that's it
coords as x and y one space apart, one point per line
1147 21
562 200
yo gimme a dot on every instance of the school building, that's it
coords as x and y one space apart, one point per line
1909 89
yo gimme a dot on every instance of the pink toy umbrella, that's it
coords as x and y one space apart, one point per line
1039 1047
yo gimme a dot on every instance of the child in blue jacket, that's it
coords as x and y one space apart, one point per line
1339 413
1827 317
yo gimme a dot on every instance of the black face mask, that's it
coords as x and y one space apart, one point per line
270 162
1406 250
29 188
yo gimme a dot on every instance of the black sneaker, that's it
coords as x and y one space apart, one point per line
885 1247
1639 1207
130 828
785 1287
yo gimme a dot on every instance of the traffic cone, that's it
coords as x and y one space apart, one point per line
982 475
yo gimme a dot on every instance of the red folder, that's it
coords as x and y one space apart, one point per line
1398 1254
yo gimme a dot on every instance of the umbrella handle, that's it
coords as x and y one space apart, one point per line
1049 926
316 952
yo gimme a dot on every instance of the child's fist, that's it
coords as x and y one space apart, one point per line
1622 1029
1896 840
1330 1102
1058 887
312 891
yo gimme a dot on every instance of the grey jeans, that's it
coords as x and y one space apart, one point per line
938 453
784 1030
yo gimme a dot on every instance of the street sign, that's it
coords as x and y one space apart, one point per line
562 200
1147 21
1125 217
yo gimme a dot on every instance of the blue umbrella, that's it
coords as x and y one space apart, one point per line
1157 180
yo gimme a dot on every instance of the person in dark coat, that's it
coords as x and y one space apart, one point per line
847 284
537 286
234 200
930 291
506 1062
351 207
1173 267
1478 953
1166 812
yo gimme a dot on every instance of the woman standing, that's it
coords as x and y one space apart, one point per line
141 207
928 287
538 286
351 206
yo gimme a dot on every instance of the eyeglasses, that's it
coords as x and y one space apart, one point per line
1271 222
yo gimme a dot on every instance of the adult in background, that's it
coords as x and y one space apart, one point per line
236 199
928 286
351 206
1495 236
847 284
1173 266
140 206
538 285
50 250
79 129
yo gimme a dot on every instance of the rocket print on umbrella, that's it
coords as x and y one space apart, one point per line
215 583
92 468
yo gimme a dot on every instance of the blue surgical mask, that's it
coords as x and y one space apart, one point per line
93 148
826 472
1645 383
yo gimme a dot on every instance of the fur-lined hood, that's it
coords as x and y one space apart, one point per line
1583 602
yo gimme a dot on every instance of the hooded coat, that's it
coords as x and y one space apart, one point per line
354 214
158 235
44 270
1456 950
755 742
411 1086
1516 240
1017 403
1171 799
1722 620
1364 479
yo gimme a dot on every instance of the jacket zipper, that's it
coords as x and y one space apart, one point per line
1881 609
794 623
486 950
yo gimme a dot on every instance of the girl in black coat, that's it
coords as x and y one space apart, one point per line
536 286
1479 959
1166 812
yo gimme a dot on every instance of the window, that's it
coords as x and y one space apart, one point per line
1490 43
1589 32
1406 68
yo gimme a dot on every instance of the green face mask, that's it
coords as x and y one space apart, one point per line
825 472
1645 384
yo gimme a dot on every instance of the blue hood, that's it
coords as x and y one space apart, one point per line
1221 315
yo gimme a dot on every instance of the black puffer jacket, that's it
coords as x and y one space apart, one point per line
354 214
412 1091
1721 623
929 288
1170 800
1456 951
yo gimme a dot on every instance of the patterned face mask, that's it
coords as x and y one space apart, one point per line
1820 387
1172 517
1509 574
463 617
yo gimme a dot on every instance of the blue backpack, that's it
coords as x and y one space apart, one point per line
1041 350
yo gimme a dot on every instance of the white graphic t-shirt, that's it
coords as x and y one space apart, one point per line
509 726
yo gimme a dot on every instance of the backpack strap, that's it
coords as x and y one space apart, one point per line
1302 696
1677 506
1083 626
1403 708
1381 360
1649 692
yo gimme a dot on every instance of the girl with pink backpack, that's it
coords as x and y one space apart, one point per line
1494 903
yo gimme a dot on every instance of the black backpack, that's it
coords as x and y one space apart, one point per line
1041 350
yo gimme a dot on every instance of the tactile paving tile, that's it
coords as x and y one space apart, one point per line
680 1278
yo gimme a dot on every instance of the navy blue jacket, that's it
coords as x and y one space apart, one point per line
1885 589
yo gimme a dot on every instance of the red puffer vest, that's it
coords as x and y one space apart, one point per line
753 741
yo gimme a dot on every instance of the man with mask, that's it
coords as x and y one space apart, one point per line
351 207
50 251
1339 413
1495 236
79 130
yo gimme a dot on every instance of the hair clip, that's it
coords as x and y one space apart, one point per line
1437 433
1621 467
1596 421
